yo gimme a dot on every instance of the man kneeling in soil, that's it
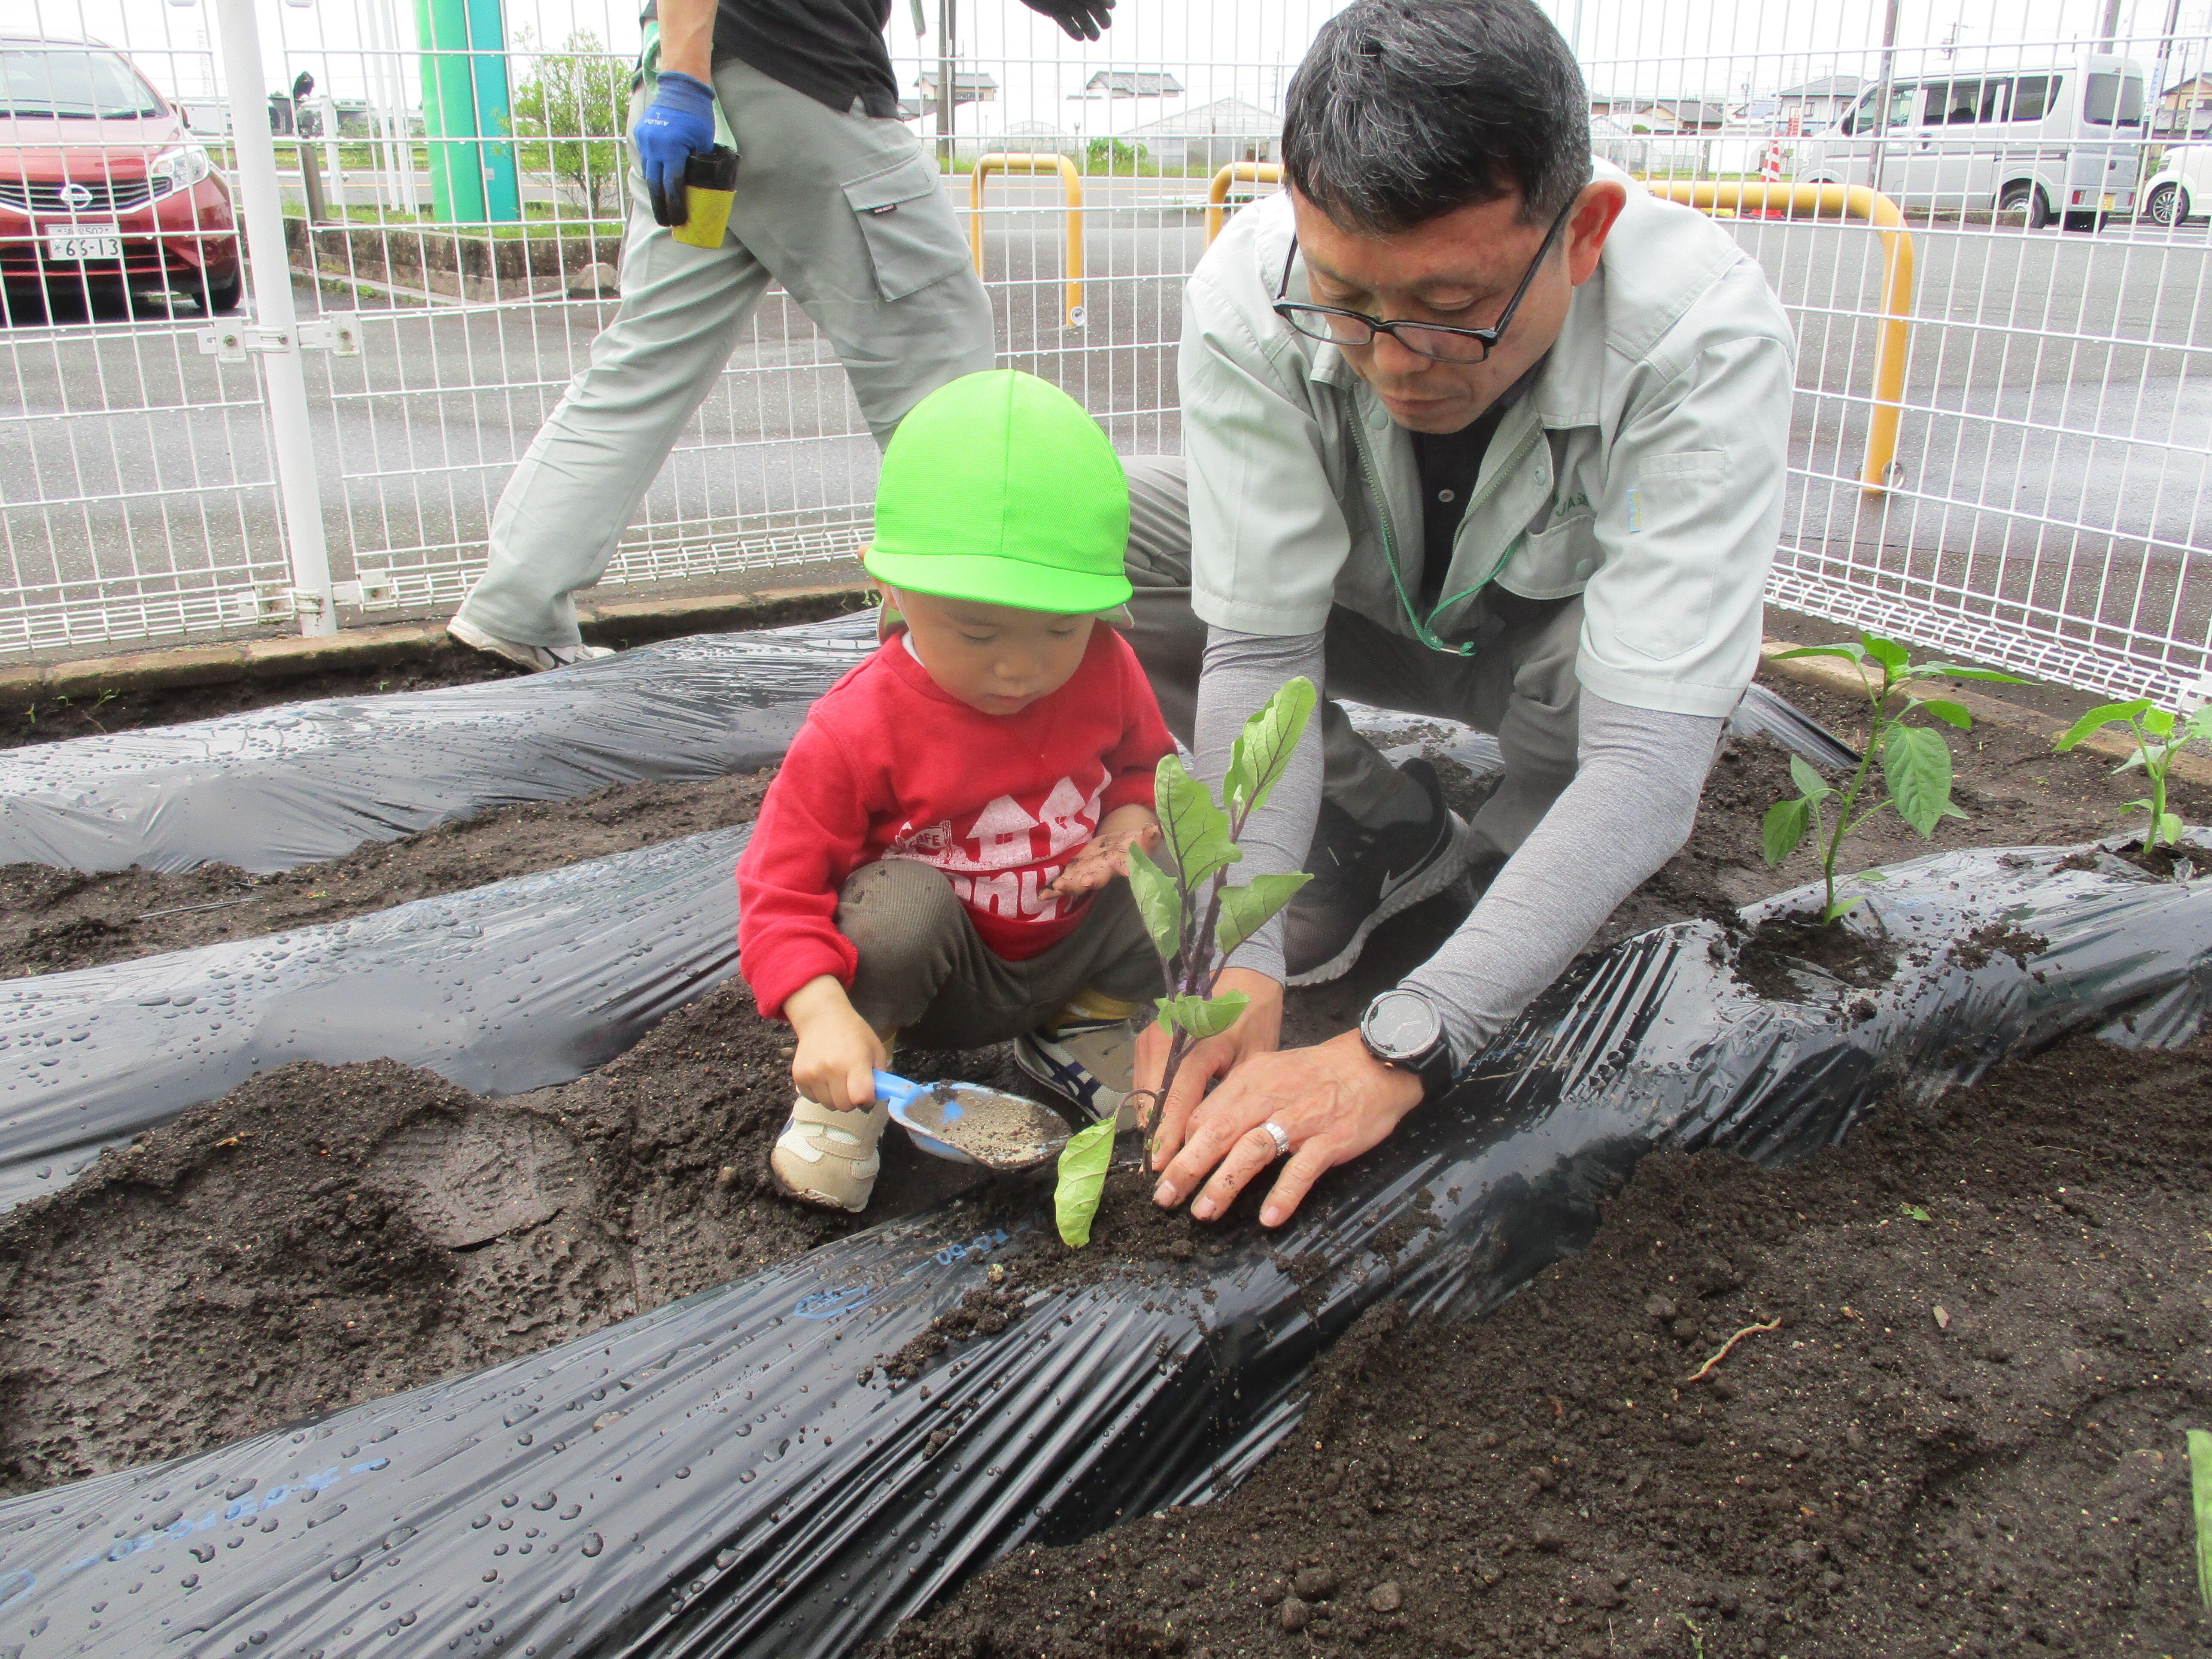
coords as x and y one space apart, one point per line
944 852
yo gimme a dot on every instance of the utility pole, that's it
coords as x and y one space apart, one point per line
1882 93
2158 76
2110 32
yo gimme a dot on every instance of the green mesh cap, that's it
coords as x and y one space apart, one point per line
997 488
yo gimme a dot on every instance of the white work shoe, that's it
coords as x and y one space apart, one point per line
1090 1063
537 658
827 1157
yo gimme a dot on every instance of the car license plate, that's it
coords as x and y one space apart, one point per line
2108 201
74 244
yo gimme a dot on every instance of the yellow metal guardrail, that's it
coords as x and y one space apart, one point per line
1263 173
1893 338
1071 182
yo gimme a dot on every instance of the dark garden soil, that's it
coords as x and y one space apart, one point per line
323 1236
34 718
53 920
1960 1432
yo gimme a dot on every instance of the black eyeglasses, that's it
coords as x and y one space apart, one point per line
1431 340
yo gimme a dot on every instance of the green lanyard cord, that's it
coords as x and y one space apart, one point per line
1422 631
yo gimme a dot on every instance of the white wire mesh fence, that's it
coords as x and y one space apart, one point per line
457 202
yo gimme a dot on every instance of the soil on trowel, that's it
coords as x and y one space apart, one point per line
325 1235
51 921
1947 1371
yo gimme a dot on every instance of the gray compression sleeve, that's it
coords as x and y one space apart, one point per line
1631 807
1243 670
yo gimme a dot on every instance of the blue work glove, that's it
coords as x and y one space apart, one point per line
1084 20
678 123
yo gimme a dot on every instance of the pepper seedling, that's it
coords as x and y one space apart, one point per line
2158 735
1195 917
1916 760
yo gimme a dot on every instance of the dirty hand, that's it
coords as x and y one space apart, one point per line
679 121
1084 20
1257 1030
1336 1101
1106 855
838 1052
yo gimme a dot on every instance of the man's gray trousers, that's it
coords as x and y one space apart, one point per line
848 214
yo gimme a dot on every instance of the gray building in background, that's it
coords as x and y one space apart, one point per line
1207 138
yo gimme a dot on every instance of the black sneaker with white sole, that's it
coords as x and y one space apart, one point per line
1361 877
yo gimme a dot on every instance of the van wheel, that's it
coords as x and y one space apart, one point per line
2028 201
2164 207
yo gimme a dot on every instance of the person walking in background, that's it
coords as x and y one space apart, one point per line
835 200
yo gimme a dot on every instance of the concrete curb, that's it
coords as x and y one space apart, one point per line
633 623
1832 675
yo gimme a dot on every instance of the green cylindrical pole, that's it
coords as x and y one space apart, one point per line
449 111
487 37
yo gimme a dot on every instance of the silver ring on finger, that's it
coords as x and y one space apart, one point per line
1276 1133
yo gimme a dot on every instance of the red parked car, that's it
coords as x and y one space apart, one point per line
101 184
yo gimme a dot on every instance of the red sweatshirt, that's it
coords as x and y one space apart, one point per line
890 766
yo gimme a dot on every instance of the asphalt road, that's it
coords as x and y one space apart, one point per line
2054 456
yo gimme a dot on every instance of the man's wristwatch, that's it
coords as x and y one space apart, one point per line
1402 1029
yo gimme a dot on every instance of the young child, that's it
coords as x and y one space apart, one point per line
941 857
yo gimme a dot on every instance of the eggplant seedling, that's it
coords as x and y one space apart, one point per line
2159 736
1195 917
1916 760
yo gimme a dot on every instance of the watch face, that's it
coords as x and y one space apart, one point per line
1401 1024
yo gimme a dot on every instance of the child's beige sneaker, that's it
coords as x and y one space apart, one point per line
827 1157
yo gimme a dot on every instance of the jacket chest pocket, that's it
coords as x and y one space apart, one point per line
909 244
1554 562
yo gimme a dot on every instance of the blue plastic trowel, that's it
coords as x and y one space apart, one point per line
966 1123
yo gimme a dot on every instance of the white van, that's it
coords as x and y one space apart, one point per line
2182 187
1996 130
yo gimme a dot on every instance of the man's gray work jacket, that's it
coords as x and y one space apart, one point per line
1641 469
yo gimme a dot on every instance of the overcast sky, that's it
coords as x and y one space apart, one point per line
1214 48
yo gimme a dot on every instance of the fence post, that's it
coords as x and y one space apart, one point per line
274 332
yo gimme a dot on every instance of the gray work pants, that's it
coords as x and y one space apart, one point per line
1519 686
848 214
925 973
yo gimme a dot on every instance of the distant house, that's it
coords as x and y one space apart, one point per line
1679 115
2184 110
968 87
1820 103
1210 137
1131 83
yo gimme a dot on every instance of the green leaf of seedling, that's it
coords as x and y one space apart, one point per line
1261 753
1158 905
1202 1017
1196 831
2158 722
1082 1182
1949 713
1915 765
1784 827
1888 652
2140 759
1839 909
1848 652
2199 728
1951 671
2167 825
2104 713
1245 911
1915 1211
2200 1493
1808 781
